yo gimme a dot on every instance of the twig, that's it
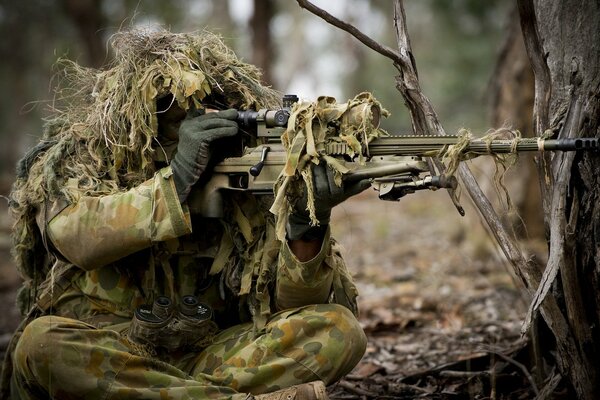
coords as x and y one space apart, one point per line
462 374
423 117
351 29
516 364
550 387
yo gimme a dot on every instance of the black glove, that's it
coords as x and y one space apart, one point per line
196 133
327 195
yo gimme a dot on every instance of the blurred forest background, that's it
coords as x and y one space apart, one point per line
471 65
456 46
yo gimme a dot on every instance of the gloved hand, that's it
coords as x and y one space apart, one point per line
196 133
327 195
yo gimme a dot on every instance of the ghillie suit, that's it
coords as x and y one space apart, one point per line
102 154
103 138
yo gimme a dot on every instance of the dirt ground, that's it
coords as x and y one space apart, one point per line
437 302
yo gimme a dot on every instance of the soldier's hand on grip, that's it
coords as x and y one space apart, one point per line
196 133
327 194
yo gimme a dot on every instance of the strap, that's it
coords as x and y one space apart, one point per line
58 281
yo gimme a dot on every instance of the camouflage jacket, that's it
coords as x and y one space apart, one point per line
136 245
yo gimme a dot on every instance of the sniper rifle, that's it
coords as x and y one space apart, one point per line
394 164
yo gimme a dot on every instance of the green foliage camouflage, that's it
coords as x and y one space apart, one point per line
313 128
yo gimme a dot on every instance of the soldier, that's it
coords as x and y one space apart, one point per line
131 296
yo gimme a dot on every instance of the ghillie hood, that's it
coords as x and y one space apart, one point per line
101 134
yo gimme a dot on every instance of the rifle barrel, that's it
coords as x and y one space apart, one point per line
425 145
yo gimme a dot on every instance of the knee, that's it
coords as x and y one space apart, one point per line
344 333
336 337
39 345
33 344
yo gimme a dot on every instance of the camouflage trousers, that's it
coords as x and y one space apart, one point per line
68 359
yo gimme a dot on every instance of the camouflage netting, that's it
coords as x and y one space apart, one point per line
313 129
100 136
452 156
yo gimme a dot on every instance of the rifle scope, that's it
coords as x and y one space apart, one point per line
271 118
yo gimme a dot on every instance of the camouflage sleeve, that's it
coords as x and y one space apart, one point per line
302 283
95 231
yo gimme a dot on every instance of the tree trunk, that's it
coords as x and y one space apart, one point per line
512 96
262 47
563 43
87 17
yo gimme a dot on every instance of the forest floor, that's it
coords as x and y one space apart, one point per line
437 301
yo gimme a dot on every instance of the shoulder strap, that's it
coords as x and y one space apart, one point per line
57 282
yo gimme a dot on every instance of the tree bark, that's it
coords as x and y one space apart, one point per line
563 44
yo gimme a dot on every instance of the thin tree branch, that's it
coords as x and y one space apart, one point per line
351 29
424 118
426 121
402 35
409 86
517 364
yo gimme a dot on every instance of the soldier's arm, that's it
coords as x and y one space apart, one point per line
95 231
303 275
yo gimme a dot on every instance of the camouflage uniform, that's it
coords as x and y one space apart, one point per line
137 245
